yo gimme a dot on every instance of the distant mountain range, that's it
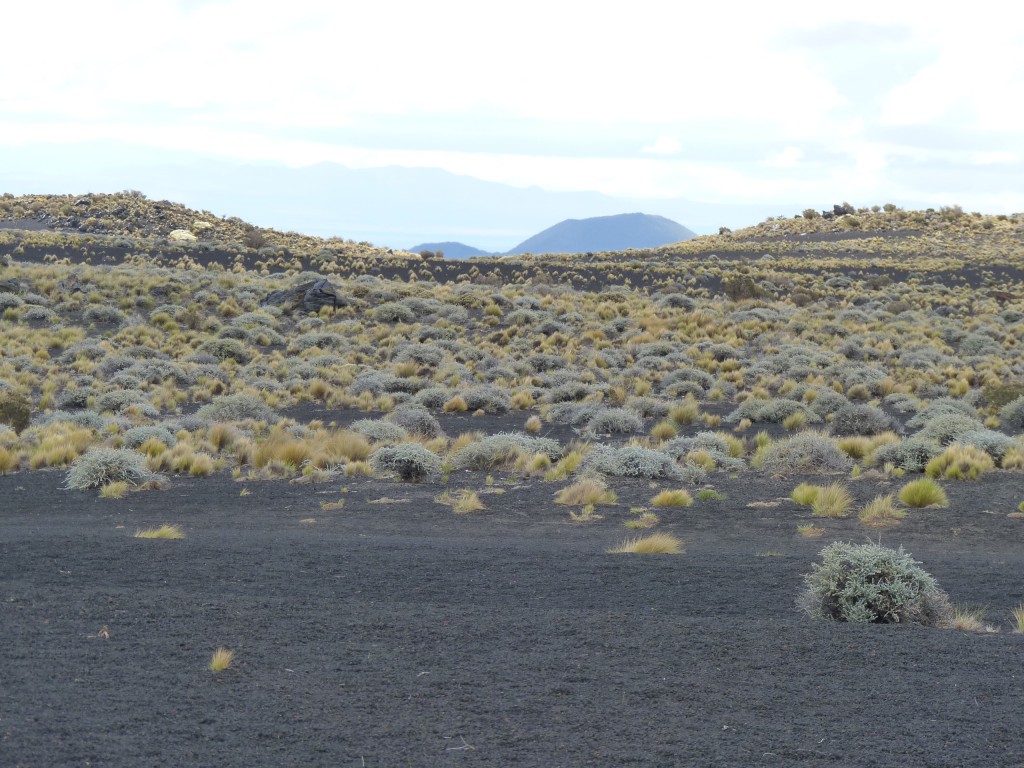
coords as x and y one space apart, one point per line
598 233
390 207
450 250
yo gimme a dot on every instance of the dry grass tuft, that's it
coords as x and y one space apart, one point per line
923 493
805 494
881 511
678 498
462 502
833 500
654 544
810 531
221 659
589 490
114 490
1018 619
970 620
163 532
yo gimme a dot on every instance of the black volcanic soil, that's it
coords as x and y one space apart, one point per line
400 633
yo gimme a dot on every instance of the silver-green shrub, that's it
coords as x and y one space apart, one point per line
99 466
410 461
869 583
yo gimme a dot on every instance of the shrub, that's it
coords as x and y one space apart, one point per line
609 420
923 493
488 398
868 583
634 461
99 466
805 452
103 315
236 408
15 411
226 349
860 420
503 449
773 411
655 544
416 420
136 436
1012 414
911 454
410 461
947 428
995 444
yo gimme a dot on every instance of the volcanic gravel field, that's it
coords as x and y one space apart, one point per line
394 632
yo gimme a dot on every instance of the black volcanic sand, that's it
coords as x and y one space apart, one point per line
401 633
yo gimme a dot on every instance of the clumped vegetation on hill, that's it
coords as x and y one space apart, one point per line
893 353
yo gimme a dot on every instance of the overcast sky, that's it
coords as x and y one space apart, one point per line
801 103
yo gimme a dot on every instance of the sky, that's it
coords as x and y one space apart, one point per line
796 104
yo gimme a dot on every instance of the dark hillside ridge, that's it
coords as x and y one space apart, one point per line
451 250
606 233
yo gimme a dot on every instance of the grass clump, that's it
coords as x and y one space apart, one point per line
960 462
163 532
805 494
833 500
1018 619
221 659
676 498
462 502
968 619
654 544
881 511
115 490
810 531
709 494
588 490
922 493
869 583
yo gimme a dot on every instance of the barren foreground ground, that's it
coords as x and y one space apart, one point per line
397 634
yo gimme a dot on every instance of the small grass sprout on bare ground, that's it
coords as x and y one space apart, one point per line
922 493
588 490
968 619
833 500
1017 615
709 494
644 518
114 490
163 532
960 462
462 502
675 498
805 494
810 531
881 511
221 659
587 514
654 544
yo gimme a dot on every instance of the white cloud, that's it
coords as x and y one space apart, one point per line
789 157
664 145
250 79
